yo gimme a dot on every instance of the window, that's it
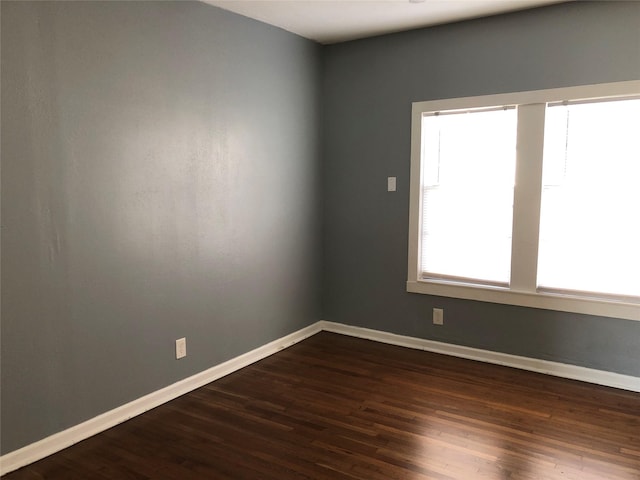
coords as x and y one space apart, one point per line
531 198
590 209
467 194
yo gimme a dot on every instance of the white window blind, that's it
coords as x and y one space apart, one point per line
468 179
590 210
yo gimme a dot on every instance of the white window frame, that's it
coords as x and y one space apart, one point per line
526 210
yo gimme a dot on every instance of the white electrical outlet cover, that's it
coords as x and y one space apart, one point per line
438 316
181 348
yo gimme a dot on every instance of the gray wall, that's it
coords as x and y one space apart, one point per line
368 89
159 180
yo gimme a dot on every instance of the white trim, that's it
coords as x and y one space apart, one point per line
61 440
576 93
543 300
522 291
415 205
526 197
573 372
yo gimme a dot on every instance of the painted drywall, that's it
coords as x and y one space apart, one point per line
159 180
368 87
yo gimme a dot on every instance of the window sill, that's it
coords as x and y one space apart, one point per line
547 301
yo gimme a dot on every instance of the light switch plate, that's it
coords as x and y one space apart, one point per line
391 184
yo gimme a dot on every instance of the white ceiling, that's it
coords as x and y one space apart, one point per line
332 21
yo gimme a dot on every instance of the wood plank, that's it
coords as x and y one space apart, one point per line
336 407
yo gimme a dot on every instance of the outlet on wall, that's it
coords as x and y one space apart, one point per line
181 348
438 316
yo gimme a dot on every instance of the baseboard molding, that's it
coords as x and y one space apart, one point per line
589 375
61 440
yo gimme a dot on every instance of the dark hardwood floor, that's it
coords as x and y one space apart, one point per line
335 407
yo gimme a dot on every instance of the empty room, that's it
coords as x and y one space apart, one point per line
356 239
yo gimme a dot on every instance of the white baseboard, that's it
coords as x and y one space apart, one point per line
61 440
589 375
